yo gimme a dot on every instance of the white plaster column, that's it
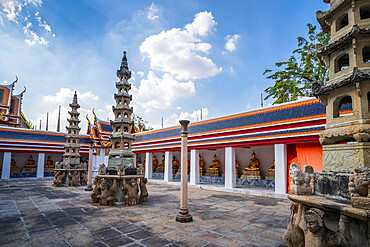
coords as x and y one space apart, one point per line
280 168
230 178
194 167
40 165
148 165
6 165
89 171
167 166
134 160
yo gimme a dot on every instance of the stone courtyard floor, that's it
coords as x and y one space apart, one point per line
34 213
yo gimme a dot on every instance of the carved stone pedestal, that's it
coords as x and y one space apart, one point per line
346 156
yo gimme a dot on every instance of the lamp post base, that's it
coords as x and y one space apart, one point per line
184 217
89 188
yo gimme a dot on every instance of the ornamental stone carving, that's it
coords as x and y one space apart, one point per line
359 187
132 188
301 182
106 198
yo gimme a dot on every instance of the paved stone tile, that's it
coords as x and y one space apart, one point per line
32 212
141 234
192 242
155 242
118 241
46 239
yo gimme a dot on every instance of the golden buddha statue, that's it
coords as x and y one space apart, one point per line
138 162
179 170
175 165
253 170
201 166
271 173
144 163
214 169
160 168
154 164
30 166
13 166
49 165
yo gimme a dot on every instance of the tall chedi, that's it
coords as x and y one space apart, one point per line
321 212
347 93
72 146
121 137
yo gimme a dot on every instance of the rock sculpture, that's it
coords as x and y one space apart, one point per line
75 178
59 179
83 178
359 187
58 165
131 197
318 235
294 236
143 189
102 169
106 198
300 184
96 191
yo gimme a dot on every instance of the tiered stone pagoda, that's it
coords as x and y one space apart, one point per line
121 137
337 213
71 172
72 147
120 180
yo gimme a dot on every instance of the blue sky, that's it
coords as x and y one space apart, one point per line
185 55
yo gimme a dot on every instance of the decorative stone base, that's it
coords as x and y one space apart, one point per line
212 173
112 189
339 157
361 202
251 175
159 170
341 224
332 184
70 177
270 176
184 217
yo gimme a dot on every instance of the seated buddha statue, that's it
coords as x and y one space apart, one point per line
253 170
175 165
179 170
13 166
137 163
214 169
160 168
201 166
154 164
49 165
271 173
30 166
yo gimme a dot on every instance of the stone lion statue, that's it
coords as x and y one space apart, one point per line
300 184
102 169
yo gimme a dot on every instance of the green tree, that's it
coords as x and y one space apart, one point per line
140 124
293 78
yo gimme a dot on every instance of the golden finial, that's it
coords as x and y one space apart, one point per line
16 79
24 90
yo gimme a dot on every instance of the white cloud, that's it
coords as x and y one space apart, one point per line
152 12
141 74
17 11
160 93
65 96
176 51
231 42
174 118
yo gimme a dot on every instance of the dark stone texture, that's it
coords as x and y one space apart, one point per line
334 184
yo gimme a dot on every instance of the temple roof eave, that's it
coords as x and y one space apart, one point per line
324 17
343 41
357 75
